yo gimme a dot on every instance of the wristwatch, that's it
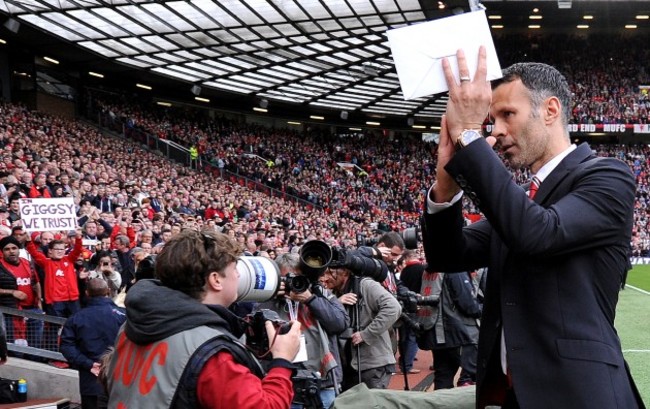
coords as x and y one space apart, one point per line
467 136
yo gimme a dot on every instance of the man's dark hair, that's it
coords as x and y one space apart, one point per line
543 81
123 240
53 243
406 256
104 253
189 257
392 239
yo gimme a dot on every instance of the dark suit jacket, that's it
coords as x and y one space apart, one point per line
555 267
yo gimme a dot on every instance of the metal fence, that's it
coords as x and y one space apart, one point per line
33 335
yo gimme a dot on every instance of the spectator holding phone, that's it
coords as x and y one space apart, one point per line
107 272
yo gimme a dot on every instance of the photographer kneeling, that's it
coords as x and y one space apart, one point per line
179 347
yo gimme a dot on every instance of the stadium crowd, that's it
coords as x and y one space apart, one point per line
609 84
384 192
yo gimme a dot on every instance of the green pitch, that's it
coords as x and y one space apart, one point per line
633 327
639 277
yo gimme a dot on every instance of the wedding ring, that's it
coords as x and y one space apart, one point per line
463 79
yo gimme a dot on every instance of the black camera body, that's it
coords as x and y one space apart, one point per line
256 337
307 387
146 268
314 258
428 300
317 256
296 283
306 384
410 300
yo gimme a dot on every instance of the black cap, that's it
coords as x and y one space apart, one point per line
8 240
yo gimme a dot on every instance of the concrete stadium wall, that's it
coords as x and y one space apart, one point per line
56 106
43 381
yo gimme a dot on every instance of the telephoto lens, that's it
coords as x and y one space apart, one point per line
315 257
259 279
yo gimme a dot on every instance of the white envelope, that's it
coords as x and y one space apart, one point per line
418 51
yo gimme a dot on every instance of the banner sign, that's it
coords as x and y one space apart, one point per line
50 214
604 128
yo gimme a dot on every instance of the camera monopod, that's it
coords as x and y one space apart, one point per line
401 344
357 327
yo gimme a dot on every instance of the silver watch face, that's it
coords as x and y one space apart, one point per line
469 135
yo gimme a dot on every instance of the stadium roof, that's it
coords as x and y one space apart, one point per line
315 55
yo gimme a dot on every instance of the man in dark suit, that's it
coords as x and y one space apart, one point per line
556 262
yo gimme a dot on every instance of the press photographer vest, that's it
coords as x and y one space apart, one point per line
428 314
443 325
164 374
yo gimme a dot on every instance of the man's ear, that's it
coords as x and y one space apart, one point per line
553 110
215 281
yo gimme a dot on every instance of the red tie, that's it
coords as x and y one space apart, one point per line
534 185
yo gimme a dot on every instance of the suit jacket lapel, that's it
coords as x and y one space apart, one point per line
553 180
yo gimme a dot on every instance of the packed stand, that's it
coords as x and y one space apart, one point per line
609 84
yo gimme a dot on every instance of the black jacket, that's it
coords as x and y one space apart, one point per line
7 282
87 335
460 310
411 276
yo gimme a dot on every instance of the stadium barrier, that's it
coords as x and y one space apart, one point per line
33 335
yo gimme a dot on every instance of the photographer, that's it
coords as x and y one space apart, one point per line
181 328
322 318
450 326
367 354
410 270
389 248
106 271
